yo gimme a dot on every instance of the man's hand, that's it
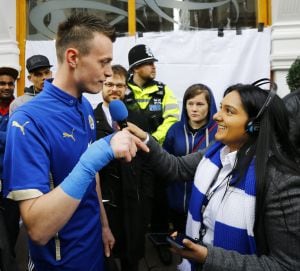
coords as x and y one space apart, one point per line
108 240
125 145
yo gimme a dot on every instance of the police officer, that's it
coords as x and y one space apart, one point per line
154 100
159 109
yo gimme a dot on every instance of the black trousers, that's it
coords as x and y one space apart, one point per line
160 208
11 215
7 257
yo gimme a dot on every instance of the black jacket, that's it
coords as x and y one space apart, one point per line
129 189
292 103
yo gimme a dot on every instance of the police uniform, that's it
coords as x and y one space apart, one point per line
154 101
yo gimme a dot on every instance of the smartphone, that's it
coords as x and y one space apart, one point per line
159 239
177 240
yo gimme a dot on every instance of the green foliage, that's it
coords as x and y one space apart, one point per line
293 76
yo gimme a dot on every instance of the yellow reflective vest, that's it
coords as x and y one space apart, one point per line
158 107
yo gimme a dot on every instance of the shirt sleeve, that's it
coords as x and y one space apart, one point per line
181 168
26 172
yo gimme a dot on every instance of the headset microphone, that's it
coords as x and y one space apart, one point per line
254 124
118 112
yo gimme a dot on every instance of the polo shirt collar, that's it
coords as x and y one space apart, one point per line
63 96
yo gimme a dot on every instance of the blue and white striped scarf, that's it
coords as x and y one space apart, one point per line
235 217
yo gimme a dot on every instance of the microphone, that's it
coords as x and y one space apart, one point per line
118 112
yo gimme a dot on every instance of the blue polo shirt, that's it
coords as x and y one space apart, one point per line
46 137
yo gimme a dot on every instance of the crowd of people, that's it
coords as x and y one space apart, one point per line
88 191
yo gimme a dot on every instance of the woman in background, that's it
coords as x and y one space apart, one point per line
194 132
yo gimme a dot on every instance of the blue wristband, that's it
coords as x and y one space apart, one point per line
108 138
98 155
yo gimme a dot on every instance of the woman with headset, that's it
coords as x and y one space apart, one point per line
244 210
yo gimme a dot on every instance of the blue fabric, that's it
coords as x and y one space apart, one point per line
92 160
230 238
57 129
3 127
181 141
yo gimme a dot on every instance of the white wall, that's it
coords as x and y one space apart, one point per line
9 51
285 39
187 58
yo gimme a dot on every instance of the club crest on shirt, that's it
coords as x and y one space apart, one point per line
91 122
20 126
69 135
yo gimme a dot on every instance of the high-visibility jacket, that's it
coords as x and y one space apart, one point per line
157 105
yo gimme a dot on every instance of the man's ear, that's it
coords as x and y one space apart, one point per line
29 77
72 57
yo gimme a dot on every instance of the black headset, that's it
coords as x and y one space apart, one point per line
253 125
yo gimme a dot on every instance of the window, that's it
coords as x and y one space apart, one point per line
151 16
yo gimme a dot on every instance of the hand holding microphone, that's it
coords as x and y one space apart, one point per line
119 113
119 145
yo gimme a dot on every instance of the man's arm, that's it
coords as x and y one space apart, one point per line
46 215
107 236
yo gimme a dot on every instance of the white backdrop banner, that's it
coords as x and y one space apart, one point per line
186 58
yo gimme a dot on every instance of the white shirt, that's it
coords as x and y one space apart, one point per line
107 114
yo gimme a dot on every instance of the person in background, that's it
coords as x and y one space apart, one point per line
292 102
126 187
51 159
158 109
38 67
9 211
245 204
194 132
154 100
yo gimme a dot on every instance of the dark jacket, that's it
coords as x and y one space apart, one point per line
129 189
7 260
181 139
277 234
292 103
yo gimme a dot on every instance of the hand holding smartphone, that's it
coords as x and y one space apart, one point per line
177 240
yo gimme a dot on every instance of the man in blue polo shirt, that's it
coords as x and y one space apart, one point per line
50 159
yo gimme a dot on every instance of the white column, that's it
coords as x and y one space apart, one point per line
9 51
285 40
